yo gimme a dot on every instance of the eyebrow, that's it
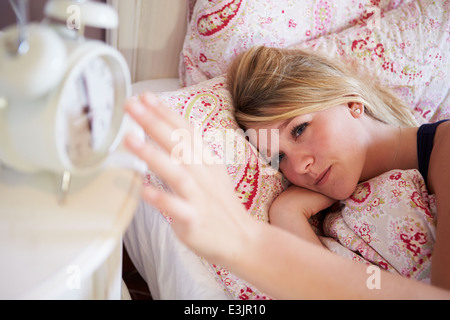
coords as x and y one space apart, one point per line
284 124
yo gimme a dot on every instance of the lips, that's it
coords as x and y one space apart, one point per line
323 177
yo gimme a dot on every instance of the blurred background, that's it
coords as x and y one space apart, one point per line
36 13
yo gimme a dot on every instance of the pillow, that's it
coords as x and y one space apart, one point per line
408 50
208 107
219 30
389 221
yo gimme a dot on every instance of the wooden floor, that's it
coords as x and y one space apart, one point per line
136 284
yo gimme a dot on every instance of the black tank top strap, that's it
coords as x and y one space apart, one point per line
425 141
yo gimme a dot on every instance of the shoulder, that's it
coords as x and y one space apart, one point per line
444 126
442 136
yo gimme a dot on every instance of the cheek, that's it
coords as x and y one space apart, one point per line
286 171
290 174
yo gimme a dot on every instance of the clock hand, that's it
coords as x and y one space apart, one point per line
87 109
87 112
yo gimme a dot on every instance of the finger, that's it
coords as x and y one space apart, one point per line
183 136
171 131
165 166
147 118
179 139
168 204
167 129
175 120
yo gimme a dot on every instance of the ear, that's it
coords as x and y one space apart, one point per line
356 109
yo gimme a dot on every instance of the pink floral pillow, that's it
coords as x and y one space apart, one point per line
407 49
208 107
220 29
389 221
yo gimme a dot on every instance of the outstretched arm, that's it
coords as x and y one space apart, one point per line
214 224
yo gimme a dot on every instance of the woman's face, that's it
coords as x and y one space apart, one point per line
322 151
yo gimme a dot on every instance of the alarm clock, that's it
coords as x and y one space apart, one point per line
62 97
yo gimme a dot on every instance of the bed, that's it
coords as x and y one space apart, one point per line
389 222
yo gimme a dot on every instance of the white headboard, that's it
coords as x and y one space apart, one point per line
150 36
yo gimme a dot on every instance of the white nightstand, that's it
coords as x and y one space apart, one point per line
70 251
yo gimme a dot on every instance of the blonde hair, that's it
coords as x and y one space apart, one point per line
270 84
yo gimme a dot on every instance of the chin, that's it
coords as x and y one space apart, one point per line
343 192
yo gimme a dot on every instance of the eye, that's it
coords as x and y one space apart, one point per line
298 130
276 160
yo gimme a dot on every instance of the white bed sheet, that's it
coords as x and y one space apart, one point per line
171 270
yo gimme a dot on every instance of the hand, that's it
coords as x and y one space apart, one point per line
207 216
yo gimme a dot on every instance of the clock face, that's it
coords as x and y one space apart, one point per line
87 107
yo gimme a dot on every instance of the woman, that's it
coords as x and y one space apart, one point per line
214 224
335 130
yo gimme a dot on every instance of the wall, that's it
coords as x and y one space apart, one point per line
150 36
36 9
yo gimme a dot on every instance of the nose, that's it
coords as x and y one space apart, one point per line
302 164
